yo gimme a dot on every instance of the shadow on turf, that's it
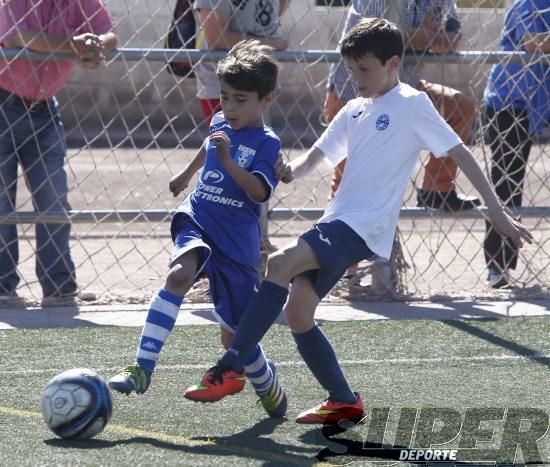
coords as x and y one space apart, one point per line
249 443
452 310
499 341
349 447
43 318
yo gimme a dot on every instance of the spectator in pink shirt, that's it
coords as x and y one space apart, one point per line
31 131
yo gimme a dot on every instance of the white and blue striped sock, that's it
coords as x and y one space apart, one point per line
163 311
259 373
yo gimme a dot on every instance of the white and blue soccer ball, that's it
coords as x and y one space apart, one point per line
76 404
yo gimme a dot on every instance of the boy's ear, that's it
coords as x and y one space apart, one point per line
268 99
395 61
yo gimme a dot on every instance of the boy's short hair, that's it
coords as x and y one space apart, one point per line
373 36
249 67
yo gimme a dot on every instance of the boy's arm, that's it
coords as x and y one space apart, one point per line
299 167
254 187
180 181
501 222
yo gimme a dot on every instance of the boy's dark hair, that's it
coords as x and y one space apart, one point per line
373 36
249 67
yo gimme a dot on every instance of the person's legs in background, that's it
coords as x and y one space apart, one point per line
42 156
510 147
438 187
9 250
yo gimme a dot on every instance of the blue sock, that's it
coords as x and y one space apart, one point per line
319 356
258 372
163 311
260 314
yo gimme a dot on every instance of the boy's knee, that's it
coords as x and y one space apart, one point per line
297 320
276 264
179 280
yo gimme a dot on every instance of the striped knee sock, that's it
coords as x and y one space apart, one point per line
259 373
163 311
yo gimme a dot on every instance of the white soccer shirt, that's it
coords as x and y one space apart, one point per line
382 138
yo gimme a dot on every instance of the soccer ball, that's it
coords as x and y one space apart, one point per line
76 404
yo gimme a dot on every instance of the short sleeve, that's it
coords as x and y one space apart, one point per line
264 163
334 140
223 6
97 19
12 18
432 131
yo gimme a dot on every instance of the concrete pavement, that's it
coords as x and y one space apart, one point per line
199 314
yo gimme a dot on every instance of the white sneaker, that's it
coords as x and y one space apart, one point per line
497 278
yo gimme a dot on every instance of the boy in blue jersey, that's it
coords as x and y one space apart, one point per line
381 133
216 228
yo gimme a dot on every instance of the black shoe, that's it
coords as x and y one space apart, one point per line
446 200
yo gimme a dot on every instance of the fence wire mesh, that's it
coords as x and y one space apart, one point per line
131 125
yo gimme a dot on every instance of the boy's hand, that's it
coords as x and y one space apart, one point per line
283 171
178 183
508 227
223 146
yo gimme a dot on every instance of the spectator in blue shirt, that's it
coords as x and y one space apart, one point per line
517 99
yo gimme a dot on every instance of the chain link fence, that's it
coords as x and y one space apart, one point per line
131 125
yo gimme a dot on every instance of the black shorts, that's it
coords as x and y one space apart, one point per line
337 247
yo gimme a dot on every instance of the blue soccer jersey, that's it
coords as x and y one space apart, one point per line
219 206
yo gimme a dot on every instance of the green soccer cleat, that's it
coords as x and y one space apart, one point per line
131 378
275 402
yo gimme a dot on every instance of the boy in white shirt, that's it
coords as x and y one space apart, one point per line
382 133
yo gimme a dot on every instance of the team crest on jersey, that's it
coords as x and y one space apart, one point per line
244 156
382 122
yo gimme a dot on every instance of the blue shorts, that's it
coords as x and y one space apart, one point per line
337 247
232 284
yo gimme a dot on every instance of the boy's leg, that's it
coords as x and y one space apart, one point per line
438 186
232 286
312 344
266 305
261 312
327 250
161 317
262 375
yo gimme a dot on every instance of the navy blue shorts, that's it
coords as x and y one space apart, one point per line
337 247
232 284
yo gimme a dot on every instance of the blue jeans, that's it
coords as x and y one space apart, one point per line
36 141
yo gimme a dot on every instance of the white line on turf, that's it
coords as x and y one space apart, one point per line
367 361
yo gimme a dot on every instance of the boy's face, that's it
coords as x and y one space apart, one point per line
243 109
371 77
